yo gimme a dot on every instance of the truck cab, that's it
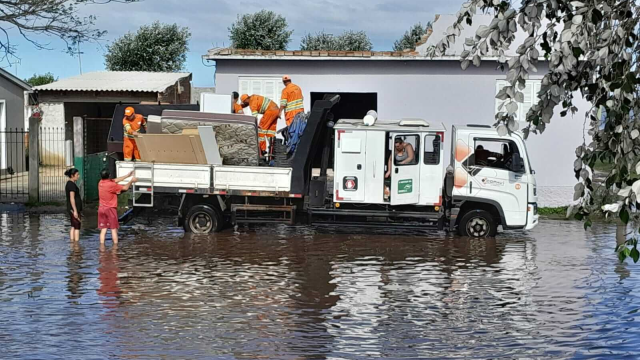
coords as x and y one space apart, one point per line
492 176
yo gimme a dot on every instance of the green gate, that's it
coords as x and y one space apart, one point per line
93 165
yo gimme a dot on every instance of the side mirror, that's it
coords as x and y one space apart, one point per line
517 165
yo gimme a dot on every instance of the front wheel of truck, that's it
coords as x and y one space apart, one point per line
203 219
477 224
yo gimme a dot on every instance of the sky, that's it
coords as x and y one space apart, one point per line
208 20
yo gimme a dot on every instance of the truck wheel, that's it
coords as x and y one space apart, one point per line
202 219
477 224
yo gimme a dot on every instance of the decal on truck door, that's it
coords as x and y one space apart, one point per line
405 186
350 183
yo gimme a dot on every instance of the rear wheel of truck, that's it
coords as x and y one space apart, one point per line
203 219
477 224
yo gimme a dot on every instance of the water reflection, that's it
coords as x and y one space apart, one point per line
278 292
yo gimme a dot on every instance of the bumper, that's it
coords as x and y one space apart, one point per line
532 216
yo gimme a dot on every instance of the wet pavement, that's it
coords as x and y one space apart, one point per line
289 293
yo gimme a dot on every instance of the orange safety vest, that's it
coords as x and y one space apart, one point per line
260 104
130 149
292 100
237 108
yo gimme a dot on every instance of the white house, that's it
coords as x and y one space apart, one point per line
409 85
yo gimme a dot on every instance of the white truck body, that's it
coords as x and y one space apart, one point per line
187 177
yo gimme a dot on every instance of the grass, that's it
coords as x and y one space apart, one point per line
553 211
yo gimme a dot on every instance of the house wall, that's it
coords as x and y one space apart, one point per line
11 150
438 91
172 96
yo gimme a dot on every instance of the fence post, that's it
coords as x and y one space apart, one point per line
34 159
78 149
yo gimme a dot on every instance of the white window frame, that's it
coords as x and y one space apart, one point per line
530 97
3 135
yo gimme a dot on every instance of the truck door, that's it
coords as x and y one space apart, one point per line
350 161
493 177
405 169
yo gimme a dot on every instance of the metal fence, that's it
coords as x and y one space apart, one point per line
96 132
52 164
14 165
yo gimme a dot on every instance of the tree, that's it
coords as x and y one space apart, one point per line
54 18
264 30
411 37
156 47
348 41
592 48
42 79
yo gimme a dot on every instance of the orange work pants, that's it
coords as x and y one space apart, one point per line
267 127
130 149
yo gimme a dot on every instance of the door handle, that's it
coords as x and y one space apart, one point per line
396 170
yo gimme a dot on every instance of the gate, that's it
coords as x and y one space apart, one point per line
96 157
52 164
14 165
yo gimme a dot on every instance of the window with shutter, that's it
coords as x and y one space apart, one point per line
270 87
530 98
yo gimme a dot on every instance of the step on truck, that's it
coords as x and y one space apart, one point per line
389 174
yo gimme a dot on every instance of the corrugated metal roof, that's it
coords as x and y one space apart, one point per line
116 81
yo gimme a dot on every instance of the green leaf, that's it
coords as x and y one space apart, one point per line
621 256
635 255
624 215
587 224
578 216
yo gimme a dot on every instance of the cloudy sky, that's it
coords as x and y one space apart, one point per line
208 20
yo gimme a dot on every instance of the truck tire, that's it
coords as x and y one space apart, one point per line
477 224
203 219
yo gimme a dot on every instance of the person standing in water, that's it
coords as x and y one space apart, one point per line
108 191
74 203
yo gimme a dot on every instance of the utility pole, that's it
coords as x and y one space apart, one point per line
79 58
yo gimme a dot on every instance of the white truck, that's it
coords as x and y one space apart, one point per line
389 174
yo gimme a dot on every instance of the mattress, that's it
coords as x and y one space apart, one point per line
237 135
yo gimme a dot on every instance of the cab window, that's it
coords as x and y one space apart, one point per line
432 149
406 150
495 154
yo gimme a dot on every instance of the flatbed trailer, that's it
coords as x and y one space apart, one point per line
368 188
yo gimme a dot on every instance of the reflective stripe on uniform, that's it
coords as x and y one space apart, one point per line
294 105
283 102
265 105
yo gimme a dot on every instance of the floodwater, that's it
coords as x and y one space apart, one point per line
285 293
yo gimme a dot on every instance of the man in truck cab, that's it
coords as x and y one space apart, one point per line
270 114
291 100
132 124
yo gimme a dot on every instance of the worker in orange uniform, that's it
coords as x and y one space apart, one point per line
270 115
132 124
236 108
291 100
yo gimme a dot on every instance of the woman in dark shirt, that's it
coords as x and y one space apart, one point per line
74 203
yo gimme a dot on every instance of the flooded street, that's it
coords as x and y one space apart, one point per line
278 292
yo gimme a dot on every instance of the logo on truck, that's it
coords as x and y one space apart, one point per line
350 183
405 186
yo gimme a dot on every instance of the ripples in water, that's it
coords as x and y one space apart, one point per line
282 292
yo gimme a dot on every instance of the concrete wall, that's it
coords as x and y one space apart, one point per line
196 91
52 127
434 90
